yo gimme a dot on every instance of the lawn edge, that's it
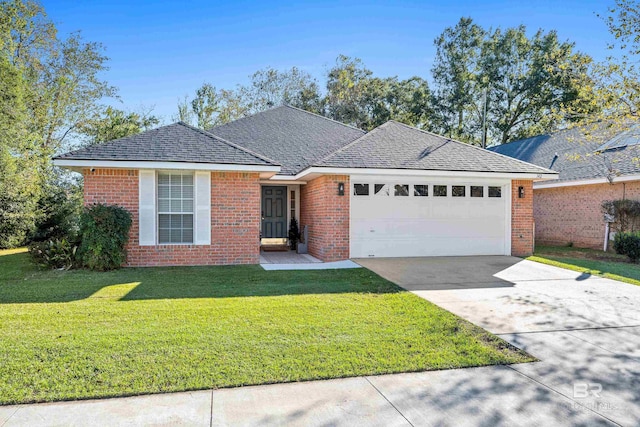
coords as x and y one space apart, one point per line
555 263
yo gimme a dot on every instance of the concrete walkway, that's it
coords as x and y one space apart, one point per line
585 330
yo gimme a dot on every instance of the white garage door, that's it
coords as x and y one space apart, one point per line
404 217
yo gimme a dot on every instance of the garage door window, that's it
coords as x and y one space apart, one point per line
477 191
401 190
360 189
439 191
420 190
381 189
495 192
458 190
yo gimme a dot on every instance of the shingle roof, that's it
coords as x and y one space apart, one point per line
574 153
398 146
296 138
178 142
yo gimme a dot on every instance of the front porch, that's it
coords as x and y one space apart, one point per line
290 260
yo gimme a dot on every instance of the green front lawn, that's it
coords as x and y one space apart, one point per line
80 334
589 261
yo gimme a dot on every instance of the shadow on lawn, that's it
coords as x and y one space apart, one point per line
21 282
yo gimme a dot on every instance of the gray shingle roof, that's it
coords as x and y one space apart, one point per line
573 153
398 146
294 137
178 142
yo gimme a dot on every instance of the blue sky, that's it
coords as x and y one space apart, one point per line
160 51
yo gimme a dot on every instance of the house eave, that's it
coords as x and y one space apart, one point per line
315 171
266 171
580 182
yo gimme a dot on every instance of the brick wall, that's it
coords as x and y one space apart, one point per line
522 219
235 219
572 214
327 216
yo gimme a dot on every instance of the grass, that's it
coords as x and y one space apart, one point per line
589 261
80 334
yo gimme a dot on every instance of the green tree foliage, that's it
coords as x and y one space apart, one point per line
356 97
50 86
114 124
21 163
510 84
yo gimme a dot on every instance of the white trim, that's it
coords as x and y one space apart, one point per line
592 181
420 172
202 208
162 165
276 181
147 209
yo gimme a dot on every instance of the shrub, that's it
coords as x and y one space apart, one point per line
54 253
59 214
104 231
626 243
626 213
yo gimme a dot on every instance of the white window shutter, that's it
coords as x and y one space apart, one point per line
202 208
147 208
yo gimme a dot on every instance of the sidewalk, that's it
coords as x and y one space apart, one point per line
496 395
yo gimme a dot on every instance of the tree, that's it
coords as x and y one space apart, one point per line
346 87
455 73
501 85
49 87
269 88
114 124
21 164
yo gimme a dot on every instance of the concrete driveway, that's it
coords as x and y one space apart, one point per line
584 329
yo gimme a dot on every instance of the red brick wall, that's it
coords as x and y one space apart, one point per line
327 216
235 219
572 214
522 218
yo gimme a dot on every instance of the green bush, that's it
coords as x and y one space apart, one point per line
54 253
60 210
104 231
628 244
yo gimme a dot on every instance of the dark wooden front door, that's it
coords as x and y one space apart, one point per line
274 212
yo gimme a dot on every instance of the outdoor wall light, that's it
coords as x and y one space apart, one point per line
521 192
341 189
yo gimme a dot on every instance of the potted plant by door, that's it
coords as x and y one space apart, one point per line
294 234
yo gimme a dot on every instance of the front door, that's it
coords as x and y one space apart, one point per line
274 212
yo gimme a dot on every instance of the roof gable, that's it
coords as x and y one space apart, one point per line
296 138
177 142
395 145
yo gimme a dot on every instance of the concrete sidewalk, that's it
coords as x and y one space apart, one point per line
497 395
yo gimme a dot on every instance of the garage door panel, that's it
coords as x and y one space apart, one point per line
428 228
394 226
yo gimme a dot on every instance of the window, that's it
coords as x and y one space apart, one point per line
402 190
439 191
420 190
293 204
175 208
457 190
360 189
495 192
477 191
381 189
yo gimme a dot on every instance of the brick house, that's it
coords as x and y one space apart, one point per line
215 197
594 165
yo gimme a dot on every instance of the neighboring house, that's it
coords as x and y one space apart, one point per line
602 164
213 197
